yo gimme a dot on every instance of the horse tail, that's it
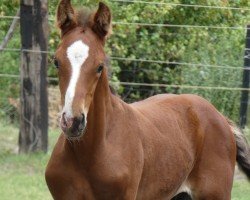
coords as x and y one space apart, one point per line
243 149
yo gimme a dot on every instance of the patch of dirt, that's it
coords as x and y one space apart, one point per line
54 106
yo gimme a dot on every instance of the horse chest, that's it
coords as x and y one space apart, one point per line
73 181
107 176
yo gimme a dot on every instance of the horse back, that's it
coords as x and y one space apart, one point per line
190 117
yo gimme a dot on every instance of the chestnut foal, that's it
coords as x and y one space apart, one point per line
165 147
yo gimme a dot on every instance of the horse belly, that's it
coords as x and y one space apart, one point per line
163 187
165 173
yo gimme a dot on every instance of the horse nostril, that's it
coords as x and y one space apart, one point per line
64 119
83 119
80 122
65 123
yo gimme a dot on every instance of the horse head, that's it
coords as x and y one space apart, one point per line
80 60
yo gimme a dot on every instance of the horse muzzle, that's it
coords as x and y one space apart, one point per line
73 128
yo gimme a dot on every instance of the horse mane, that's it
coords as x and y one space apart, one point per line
112 90
107 63
85 18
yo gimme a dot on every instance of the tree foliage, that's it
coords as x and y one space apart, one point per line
208 46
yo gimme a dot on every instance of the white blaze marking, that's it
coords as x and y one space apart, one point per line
77 54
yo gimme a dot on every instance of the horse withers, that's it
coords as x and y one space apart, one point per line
164 147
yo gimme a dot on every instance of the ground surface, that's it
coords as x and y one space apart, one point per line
22 176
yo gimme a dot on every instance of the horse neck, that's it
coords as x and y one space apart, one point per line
100 111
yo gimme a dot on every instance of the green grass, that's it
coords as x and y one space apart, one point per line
22 176
241 190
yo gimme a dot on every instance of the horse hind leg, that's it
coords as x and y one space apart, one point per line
212 175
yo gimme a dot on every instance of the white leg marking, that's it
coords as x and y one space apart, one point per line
77 54
184 188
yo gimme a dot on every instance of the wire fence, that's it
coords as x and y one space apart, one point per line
157 25
149 88
142 60
182 5
15 76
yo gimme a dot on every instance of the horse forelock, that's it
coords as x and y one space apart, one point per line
84 16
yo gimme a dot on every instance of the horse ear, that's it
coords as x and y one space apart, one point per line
66 18
102 21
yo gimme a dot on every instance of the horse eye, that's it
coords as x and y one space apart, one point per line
99 69
56 63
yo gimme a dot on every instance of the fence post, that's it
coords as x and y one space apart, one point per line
33 134
245 82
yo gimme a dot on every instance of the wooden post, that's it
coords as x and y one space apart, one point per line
245 84
33 134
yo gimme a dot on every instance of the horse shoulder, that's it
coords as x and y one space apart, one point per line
110 170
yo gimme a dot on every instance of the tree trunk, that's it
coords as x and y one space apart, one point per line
245 83
33 134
